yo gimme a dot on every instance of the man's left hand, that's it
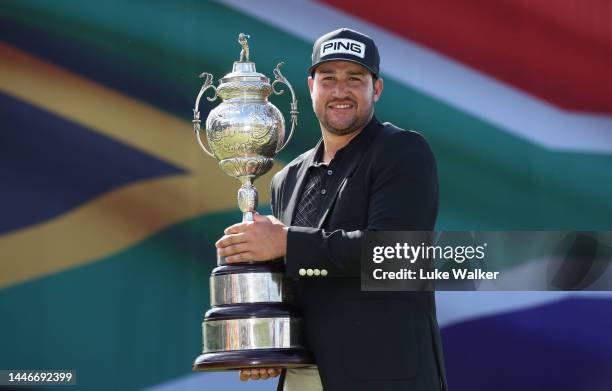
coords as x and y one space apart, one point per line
263 239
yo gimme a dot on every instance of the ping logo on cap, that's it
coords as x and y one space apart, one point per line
344 46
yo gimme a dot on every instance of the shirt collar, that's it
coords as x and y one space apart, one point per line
358 142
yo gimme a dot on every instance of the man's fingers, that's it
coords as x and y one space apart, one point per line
254 374
228 240
235 228
232 249
266 373
245 374
259 373
242 257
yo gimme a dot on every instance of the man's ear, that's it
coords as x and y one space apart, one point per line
310 84
378 88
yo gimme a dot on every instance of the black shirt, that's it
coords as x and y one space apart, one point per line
313 191
319 176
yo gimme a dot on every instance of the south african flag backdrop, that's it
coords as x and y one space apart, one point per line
109 210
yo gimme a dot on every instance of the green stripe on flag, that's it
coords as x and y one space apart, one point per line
130 320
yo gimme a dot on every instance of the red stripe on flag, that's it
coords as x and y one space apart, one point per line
560 51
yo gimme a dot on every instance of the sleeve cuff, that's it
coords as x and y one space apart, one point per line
301 251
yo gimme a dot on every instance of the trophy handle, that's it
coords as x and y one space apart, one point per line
279 78
208 77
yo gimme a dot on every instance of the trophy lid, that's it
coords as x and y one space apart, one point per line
244 71
244 80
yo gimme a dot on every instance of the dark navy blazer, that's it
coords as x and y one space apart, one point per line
386 180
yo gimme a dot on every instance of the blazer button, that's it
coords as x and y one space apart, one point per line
323 272
302 272
317 272
309 272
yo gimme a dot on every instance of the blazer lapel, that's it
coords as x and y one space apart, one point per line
294 188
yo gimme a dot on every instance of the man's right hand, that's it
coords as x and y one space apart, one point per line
259 373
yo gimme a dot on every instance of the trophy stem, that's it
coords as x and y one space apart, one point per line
247 216
247 199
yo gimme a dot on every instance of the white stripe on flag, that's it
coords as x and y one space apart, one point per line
457 307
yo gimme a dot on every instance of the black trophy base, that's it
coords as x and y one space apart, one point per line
257 358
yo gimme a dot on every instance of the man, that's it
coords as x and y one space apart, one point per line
362 175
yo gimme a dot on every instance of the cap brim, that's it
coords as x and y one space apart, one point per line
314 66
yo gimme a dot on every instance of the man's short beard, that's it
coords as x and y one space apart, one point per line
341 132
351 128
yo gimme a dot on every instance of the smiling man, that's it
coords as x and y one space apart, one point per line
362 175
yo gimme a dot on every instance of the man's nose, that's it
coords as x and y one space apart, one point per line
340 89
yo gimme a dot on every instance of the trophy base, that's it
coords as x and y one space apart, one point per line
257 358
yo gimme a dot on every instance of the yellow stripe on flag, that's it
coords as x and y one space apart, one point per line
120 218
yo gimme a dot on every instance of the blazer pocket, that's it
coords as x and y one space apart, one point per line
379 341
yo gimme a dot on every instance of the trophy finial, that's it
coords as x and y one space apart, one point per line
244 53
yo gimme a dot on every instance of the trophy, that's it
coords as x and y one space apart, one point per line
252 322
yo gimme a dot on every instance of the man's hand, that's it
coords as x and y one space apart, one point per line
264 239
259 373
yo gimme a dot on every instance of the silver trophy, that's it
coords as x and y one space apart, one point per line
252 322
